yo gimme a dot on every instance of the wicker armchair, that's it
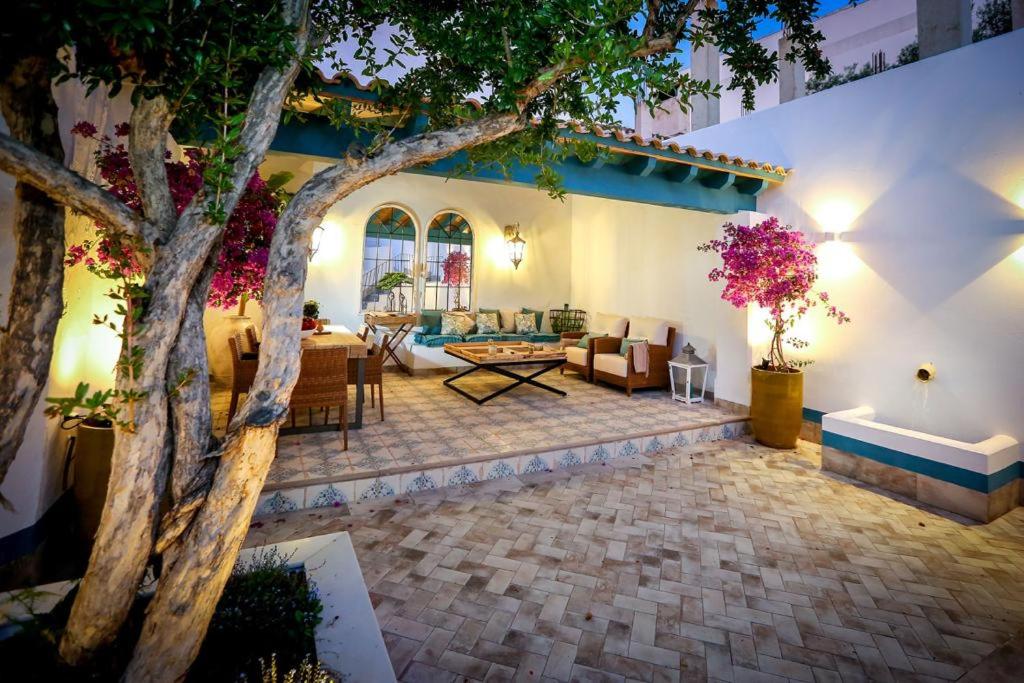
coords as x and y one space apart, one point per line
374 371
243 371
612 368
323 383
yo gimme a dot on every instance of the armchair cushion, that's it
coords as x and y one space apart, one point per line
612 363
626 343
654 330
576 355
612 325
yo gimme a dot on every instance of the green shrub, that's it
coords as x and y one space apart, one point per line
267 609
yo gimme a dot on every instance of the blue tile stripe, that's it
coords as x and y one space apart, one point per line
985 483
812 415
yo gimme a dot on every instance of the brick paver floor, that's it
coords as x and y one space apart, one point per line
726 561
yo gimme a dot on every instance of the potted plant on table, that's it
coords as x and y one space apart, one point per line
456 273
391 281
774 267
311 318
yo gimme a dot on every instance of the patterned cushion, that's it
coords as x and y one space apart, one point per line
456 323
487 323
526 323
435 340
539 315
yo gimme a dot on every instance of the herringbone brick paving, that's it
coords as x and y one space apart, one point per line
725 561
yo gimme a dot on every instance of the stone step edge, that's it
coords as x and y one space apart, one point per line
334 492
489 457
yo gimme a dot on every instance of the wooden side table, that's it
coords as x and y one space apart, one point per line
400 324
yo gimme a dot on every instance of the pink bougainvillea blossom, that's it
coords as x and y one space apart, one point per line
242 262
774 267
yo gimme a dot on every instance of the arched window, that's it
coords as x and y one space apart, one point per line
449 280
388 252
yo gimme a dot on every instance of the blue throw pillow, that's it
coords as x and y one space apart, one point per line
584 341
624 346
430 321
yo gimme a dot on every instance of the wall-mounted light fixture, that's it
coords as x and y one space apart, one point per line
314 242
515 243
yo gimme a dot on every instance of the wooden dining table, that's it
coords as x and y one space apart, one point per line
337 337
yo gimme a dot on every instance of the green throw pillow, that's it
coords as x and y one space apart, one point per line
584 341
624 346
538 314
430 321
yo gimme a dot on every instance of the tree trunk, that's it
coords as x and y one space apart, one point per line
139 466
36 301
191 418
199 564
201 558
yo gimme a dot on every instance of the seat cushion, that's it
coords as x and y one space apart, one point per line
576 355
435 340
609 324
479 337
654 330
612 363
545 338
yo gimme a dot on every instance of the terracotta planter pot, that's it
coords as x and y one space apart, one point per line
776 406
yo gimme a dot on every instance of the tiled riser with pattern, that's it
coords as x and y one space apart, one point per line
339 493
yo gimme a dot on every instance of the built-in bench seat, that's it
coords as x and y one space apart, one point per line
436 340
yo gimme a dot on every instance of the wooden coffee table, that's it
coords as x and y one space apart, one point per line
509 354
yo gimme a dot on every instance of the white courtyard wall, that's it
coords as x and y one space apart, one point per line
922 168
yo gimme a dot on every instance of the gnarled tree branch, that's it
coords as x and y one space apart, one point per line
66 187
147 147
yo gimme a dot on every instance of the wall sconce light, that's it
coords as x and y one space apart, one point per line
515 243
314 242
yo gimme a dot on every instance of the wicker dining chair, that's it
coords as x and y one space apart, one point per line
323 383
363 332
250 336
374 372
243 371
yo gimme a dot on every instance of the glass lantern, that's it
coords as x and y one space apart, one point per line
680 374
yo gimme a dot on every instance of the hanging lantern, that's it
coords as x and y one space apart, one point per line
515 244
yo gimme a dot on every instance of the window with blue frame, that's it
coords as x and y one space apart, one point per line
389 250
448 283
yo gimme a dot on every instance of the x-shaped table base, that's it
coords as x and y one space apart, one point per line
519 379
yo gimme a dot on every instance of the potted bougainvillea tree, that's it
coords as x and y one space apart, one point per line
774 267
456 273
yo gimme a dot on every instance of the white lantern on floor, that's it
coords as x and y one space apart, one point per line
680 374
